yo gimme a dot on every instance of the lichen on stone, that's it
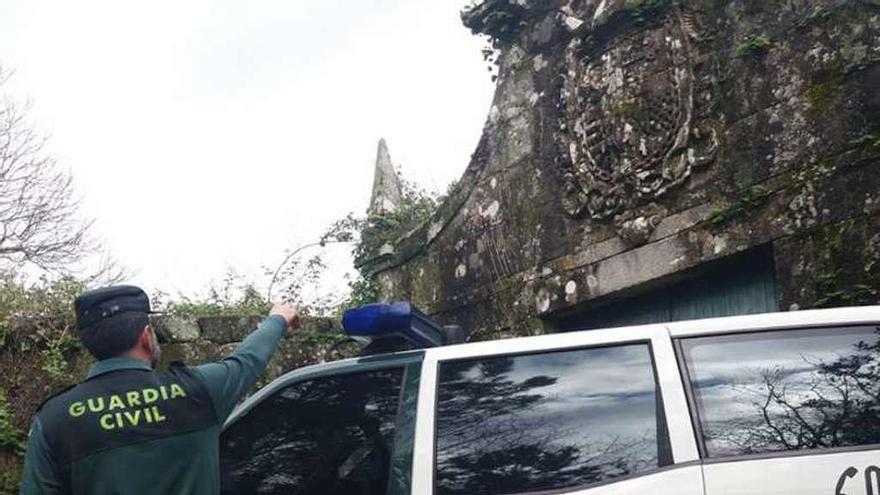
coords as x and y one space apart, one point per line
754 46
823 95
751 198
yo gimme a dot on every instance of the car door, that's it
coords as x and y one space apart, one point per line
590 413
345 428
787 411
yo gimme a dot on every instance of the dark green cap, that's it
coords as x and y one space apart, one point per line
96 305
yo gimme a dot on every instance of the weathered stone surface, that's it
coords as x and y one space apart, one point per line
176 329
226 329
629 125
630 141
386 184
317 326
637 231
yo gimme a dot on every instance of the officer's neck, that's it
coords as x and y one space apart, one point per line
141 355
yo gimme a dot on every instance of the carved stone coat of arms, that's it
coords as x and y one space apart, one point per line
628 133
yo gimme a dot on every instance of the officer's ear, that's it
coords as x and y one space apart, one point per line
145 340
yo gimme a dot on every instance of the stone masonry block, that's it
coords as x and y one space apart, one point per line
226 329
175 329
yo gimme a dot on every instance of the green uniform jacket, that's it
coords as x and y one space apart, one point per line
127 429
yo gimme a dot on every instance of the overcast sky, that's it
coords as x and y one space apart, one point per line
206 134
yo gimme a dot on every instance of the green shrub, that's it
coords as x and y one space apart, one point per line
11 439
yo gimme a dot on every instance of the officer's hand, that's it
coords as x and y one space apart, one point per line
289 314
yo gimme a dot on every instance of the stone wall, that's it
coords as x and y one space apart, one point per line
632 140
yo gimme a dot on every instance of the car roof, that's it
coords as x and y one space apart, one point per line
710 326
770 321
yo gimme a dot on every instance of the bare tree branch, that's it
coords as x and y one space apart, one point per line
39 222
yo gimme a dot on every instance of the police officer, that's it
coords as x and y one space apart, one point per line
127 429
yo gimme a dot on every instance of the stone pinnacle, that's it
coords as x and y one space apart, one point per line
386 184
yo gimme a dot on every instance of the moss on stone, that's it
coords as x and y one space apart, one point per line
809 174
426 281
754 46
816 15
641 10
761 6
842 277
313 338
819 12
869 142
822 96
511 316
751 199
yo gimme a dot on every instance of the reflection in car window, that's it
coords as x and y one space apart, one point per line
547 421
790 390
326 435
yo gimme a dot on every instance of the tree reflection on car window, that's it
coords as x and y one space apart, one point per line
326 435
545 421
786 391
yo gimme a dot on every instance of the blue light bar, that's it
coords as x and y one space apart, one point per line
399 319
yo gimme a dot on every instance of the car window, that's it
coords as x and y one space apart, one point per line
786 390
325 435
547 421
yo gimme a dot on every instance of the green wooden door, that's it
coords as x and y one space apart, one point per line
740 285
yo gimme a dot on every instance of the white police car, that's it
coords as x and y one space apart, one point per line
784 403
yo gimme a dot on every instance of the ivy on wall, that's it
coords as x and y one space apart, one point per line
382 231
39 355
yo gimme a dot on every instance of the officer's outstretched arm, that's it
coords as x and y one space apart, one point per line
230 379
40 475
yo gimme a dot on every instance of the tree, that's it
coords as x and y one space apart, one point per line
39 224
486 441
294 273
824 404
